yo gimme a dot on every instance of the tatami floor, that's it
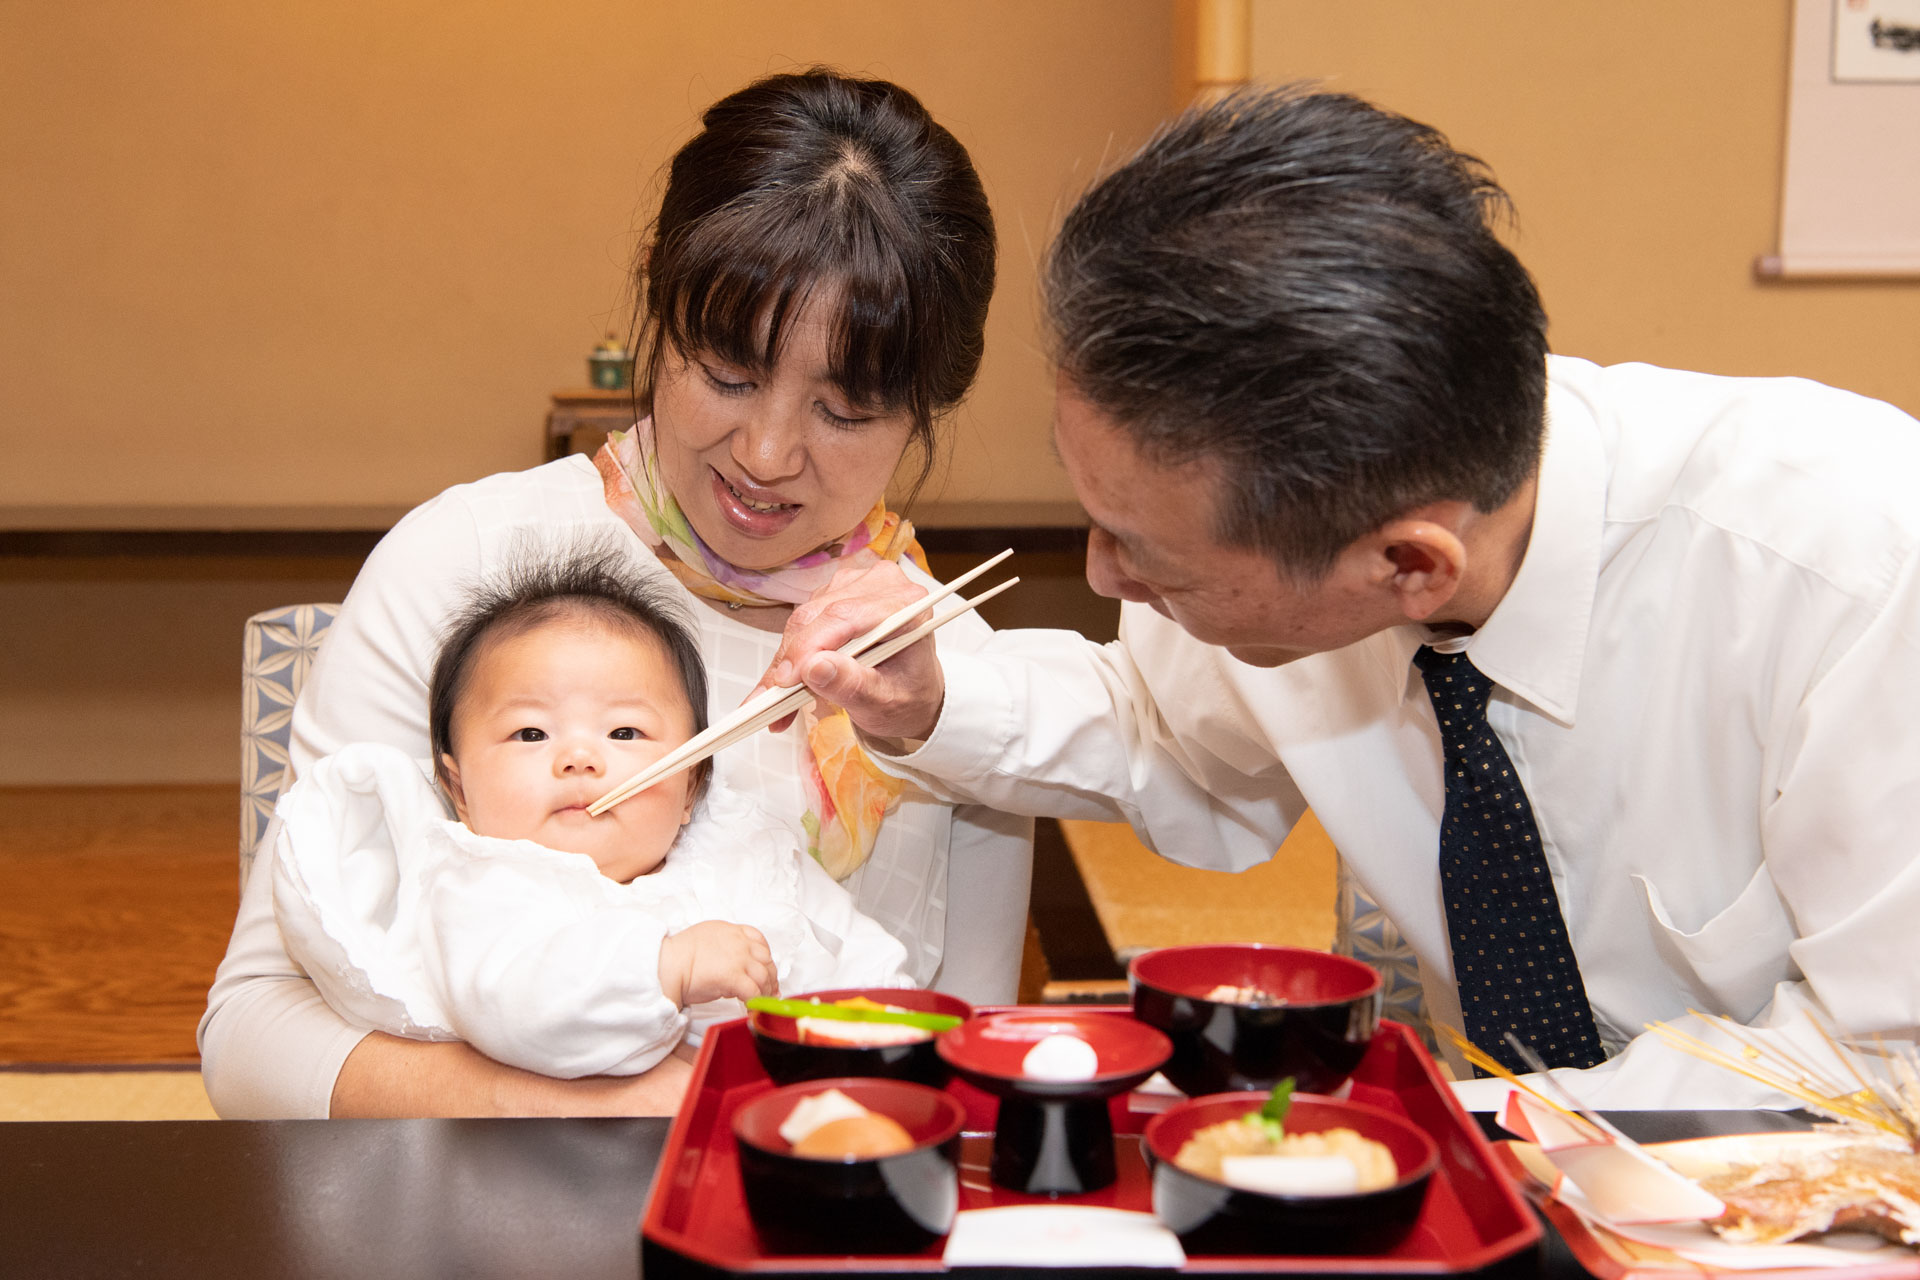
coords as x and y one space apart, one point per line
131 1094
115 904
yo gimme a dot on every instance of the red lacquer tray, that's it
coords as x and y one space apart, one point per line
696 1219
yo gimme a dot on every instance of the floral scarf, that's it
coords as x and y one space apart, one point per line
849 795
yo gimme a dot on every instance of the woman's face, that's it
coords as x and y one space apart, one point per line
769 467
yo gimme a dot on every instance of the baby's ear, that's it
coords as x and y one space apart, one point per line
702 775
450 779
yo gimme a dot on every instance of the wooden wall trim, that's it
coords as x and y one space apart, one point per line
194 532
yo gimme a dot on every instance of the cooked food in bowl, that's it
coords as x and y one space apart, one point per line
830 1125
1227 993
818 1029
863 1031
1317 1203
851 1165
1256 1153
1061 1056
855 1138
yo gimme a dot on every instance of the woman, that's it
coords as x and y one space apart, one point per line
813 297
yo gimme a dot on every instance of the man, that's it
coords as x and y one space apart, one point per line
1598 678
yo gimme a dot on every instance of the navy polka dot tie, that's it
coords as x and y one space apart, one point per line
1511 956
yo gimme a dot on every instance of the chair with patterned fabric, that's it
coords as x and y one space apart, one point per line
277 653
1361 930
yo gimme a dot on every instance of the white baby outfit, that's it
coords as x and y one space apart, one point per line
411 924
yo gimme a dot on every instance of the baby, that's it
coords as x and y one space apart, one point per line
548 939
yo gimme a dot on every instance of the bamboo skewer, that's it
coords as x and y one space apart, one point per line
1538 1066
777 703
1850 1094
1478 1057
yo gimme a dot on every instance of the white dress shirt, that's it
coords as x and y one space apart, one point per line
411 924
269 1044
1707 670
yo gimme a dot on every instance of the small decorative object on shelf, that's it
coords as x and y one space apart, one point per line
609 367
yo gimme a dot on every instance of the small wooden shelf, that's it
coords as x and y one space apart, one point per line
579 420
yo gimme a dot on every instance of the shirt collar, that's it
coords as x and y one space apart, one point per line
1535 641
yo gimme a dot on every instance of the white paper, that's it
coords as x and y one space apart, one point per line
1623 1182
1876 41
1155 1094
1060 1235
1850 201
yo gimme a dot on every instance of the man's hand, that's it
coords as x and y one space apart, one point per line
901 697
715 959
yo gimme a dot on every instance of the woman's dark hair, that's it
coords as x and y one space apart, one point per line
593 580
817 181
1306 292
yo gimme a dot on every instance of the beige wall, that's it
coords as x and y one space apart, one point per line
1641 141
342 252
127 670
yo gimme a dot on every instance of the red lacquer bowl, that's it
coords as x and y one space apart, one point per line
1316 1017
1053 1137
1212 1217
787 1058
884 1204
989 1051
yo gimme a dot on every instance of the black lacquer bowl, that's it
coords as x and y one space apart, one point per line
887 1204
1316 1018
788 1058
1212 1217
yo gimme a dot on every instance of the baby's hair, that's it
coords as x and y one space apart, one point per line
593 581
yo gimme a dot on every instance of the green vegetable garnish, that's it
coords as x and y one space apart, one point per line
853 1013
1272 1116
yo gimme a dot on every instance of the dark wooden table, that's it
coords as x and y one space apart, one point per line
412 1198
333 1198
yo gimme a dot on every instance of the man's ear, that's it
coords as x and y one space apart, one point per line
450 775
1424 562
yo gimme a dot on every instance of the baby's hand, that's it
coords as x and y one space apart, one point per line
715 959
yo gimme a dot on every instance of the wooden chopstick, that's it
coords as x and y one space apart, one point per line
777 703
749 715
887 648
794 697
861 643
768 699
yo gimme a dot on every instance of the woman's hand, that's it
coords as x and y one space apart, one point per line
900 698
716 959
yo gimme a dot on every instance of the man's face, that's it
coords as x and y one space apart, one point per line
1152 542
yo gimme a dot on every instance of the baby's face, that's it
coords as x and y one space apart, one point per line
551 719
